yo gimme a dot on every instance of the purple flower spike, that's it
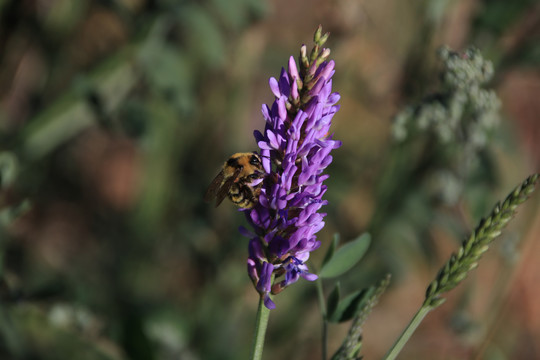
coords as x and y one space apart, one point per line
295 150
265 283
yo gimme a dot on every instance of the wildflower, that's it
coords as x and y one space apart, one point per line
295 150
463 111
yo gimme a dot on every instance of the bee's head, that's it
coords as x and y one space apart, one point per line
255 160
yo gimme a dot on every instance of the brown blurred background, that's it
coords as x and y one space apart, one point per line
116 114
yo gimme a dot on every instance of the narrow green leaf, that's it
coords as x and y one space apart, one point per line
348 307
333 300
346 257
331 250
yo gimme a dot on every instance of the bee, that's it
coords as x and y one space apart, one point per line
240 179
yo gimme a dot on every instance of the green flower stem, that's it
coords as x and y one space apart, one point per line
322 306
407 333
260 330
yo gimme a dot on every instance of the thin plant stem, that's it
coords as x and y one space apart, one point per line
261 324
407 333
324 330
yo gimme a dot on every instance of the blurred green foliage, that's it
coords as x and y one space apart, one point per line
116 114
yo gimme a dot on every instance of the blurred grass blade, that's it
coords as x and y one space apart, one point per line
8 168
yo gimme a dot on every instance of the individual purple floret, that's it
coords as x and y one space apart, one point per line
295 149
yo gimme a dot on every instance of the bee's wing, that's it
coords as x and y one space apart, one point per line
214 187
224 189
219 188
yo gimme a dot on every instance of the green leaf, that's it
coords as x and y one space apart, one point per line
10 213
331 250
349 306
204 39
333 300
8 168
346 257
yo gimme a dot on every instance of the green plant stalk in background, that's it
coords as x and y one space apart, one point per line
352 344
466 259
260 330
322 306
